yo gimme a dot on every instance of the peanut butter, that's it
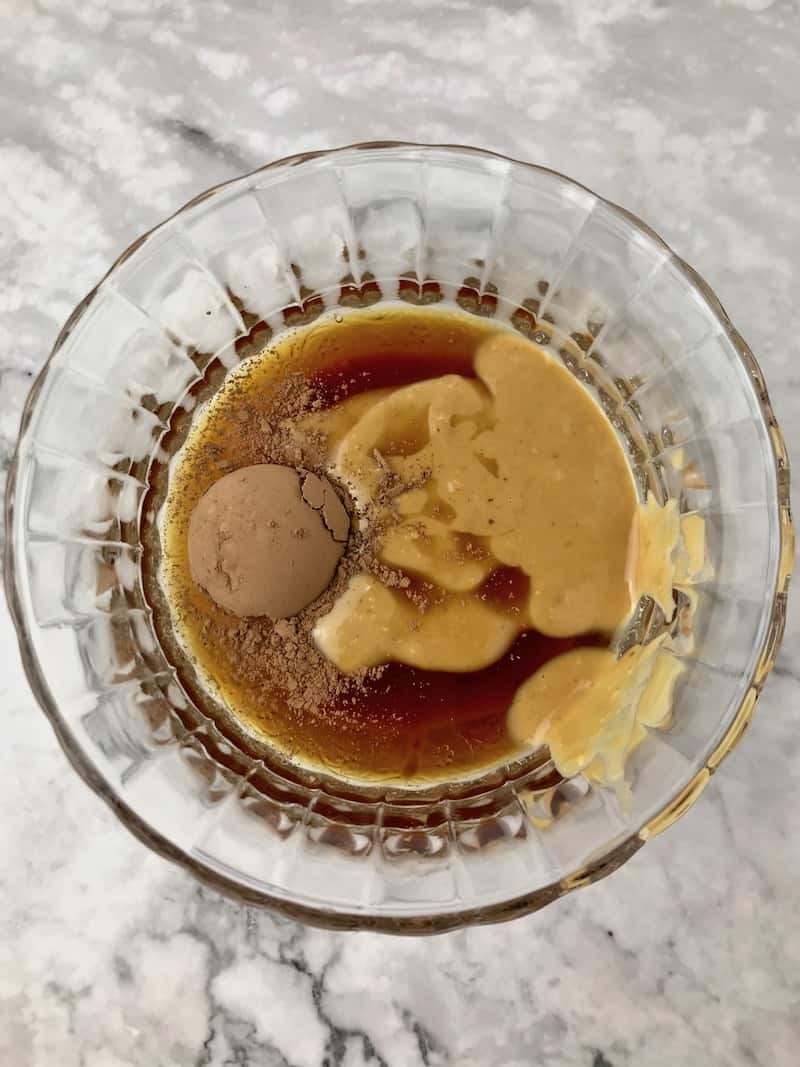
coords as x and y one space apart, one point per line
523 461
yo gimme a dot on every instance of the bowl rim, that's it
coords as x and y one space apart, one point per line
432 922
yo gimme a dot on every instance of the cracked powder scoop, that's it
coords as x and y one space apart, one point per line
266 539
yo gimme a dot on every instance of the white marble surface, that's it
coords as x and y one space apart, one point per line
114 113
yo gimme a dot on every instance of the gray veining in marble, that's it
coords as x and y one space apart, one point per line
117 111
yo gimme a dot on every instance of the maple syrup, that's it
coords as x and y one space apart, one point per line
407 725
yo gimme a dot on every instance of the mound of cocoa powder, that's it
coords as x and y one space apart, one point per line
282 656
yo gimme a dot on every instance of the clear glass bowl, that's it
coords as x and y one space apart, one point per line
191 298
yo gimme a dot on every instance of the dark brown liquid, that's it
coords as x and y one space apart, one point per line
409 724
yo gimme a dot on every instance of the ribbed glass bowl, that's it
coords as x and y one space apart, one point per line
186 302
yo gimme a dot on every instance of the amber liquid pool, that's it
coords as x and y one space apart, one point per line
409 726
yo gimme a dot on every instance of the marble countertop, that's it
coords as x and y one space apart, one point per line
116 112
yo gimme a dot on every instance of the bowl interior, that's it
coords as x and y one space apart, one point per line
277 248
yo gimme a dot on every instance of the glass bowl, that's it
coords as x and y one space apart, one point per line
187 302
